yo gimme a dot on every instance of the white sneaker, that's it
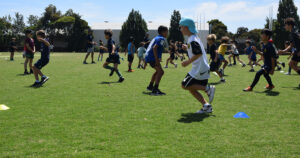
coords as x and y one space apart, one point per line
175 65
287 73
211 93
206 109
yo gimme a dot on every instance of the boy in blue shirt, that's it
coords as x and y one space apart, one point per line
45 57
113 57
153 57
90 47
251 55
131 50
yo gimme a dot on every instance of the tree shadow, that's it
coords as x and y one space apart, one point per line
193 117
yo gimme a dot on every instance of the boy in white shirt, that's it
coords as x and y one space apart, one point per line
197 78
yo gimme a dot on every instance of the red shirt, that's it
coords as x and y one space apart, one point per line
30 42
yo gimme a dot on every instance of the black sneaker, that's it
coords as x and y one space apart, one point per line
157 92
283 65
278 68
85 62
31 71
44 79
150 88
112 72
93 62
36 84
121 79
26 72
244 65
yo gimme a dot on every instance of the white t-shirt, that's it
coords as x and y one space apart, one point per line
235 50
200 67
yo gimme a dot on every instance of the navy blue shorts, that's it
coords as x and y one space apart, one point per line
41 63
113 58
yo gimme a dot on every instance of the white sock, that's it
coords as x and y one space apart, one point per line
207 88
206 104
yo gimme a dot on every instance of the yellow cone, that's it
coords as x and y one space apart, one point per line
3 107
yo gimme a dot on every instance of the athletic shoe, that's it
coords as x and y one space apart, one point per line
252 70
111 72
249 89
283 65
244 65
268 87
31 71
157 92
131 70
36 84
150 88
223 80
166 67
85 62
121 79
176 65
287 73
93 62
278 68
230 65
44 79
26 72
206 109
211 93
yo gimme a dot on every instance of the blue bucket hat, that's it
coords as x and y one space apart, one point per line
189 23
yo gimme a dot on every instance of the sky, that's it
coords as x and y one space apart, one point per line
234 13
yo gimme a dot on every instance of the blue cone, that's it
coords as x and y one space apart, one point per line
241 115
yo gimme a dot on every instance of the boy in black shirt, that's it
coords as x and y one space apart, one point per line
295 43
113 57
45 56
269 53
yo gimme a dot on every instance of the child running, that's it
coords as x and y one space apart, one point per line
141 55
113 57
131 51
269 52
153 57
172 52
45 57
90 47
235 53
197 78
222 50
215 61
251 55
29 49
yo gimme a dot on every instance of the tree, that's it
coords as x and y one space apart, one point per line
18 25
48 18
134 26
241 31
286 9
218 28
254 35
174 30
32 20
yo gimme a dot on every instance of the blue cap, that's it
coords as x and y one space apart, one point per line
189 23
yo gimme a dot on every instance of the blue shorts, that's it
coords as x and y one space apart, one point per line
221 57
41 63
253 59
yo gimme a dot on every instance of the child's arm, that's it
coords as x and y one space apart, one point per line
191 60
197 51
216 58
273 66
28 47
44 41
113 49
256 51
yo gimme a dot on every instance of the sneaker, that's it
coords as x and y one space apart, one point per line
211 93
85 62
121 79
278 68
268 87
166 67
244 65
26 72
252 70
31 71
157 92
131 70
223 80
283 65
93 62
288 73
150 88
249 89
176 65
36 84
230 65
44 79
111 72
206 109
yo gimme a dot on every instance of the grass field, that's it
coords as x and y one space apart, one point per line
81 112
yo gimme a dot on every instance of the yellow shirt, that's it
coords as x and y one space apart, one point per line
222 49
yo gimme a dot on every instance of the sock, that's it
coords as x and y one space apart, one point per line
109 67
290 69
119 74
156 86
151 84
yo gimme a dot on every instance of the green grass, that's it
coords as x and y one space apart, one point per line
75 115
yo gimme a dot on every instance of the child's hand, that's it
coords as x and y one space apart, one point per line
185 63
272 72
254 48
184 47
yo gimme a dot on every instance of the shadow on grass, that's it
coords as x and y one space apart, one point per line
294 88
215 83
22 74
193 117
270 93
108 82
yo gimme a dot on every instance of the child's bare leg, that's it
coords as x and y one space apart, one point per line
229 58
160 73
225 64
35 72
86 56
194 91
25 64
92 55
30 63
167 62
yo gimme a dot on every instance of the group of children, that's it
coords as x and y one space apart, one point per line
150 52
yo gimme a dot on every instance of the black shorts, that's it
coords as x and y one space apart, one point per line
267 68
152 64
113 58
236 55
189 81
296 58
130 58
11 50
41 63
172 56
214 66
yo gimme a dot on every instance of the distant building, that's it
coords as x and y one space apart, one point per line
99 28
